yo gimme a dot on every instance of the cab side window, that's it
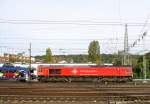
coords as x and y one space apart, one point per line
54 71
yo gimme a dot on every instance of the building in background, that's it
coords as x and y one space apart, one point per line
6 57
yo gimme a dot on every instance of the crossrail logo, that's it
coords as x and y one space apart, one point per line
74 71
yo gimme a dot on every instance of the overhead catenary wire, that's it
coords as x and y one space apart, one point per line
69 22
11 44
142 31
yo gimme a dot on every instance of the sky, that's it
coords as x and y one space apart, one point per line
68 26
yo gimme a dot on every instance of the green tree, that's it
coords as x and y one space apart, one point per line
48 57
116 59
94 52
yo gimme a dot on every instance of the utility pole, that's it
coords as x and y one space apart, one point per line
126 55
144 62
144 67
29 62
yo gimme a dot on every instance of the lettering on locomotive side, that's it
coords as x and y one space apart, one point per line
75 71
88 71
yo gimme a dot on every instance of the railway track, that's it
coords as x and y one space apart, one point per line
74 94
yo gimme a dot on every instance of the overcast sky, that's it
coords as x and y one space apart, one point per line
68 26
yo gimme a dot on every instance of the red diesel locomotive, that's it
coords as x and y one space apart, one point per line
84 73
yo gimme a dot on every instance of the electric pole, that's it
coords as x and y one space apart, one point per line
126 55
144 61
29 61
144 67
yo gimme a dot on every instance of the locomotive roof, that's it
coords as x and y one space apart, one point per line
80 66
